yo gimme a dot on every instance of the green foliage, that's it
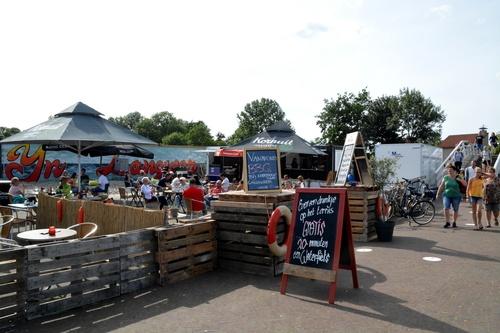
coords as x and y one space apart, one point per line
343 115
257 116
5 132
419 119
129 121
407 117
199 134
383 170
175 138
220 139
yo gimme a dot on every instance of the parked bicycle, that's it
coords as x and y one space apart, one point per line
411 199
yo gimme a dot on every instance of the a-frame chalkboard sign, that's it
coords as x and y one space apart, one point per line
354 154
320 239
261 170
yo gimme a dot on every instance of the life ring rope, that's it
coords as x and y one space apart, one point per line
272 239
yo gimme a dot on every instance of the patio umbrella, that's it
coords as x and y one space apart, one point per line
279 134
127 150
79 126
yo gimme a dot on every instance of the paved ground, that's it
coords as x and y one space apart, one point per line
399 292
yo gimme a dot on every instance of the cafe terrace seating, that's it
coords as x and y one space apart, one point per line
84 229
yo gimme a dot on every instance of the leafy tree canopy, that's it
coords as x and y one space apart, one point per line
257 116
175 138
5 132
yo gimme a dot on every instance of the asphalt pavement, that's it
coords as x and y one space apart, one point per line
399 292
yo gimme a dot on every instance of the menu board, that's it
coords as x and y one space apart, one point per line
315 230
345 164
320 241
261 170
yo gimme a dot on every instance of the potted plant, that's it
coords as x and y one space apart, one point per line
382 171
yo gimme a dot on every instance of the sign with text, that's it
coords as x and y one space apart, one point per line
354 160
320 238
262 170
345 164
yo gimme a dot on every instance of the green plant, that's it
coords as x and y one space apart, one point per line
383 170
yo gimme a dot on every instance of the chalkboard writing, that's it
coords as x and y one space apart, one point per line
345 164
262 170
315 230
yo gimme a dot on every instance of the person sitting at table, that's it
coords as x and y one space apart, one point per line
138 181
178 188
225 182
240 186
84 180
214 193
103 184
64 188
72 181
195 195
287 183
300 182
148 191
16 190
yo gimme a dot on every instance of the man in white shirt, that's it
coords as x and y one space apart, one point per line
103 183
225 183
458 158
470 171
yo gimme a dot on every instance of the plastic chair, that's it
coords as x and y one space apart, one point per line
85 229
6 225
26 223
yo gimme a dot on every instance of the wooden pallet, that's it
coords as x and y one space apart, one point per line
186 250
240 196
12 296
363 216
242 235
138 267
69 274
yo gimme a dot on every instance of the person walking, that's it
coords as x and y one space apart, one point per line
451 194
475 189
493 140
458 158
487 156
492 196
469 171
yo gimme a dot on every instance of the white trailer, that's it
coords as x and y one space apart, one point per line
414 160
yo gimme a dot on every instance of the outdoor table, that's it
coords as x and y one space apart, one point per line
42 235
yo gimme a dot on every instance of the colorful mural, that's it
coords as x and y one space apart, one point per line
32 164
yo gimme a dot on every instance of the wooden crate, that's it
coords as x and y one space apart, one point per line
138 267
362 210
242 232
186 250
69 274
12 295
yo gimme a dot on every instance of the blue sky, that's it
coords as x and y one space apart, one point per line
204 60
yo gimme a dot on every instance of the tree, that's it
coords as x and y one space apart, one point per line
344 115
257 116
220 139
174 138
129 121
5 132
380 123
199 134
419 120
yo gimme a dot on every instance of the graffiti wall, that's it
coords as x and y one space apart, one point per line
31 163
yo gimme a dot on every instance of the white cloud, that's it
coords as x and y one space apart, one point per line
443 11
312 30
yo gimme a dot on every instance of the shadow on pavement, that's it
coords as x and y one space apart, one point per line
382 306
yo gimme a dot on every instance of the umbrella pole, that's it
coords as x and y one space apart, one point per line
79 167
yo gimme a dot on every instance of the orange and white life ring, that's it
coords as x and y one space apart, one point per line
272 240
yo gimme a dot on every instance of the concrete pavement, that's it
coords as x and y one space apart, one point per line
399 292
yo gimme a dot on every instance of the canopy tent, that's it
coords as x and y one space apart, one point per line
78 126
107 150
279 134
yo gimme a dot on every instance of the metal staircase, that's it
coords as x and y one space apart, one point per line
469 154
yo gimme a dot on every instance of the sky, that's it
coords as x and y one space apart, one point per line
205 60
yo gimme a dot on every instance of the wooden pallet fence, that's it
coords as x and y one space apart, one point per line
12 295
363 216
186 250
70 274
138 267
242 232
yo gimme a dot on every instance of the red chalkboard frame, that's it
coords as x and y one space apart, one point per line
343 230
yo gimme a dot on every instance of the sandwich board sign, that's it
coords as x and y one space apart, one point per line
320 239
354 157
261 170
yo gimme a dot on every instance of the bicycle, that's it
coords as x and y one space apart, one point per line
410 199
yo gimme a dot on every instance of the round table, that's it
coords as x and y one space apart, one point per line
42 235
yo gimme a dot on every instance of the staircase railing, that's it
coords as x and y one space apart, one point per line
466 148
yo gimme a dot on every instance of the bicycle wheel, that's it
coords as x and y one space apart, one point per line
422 212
